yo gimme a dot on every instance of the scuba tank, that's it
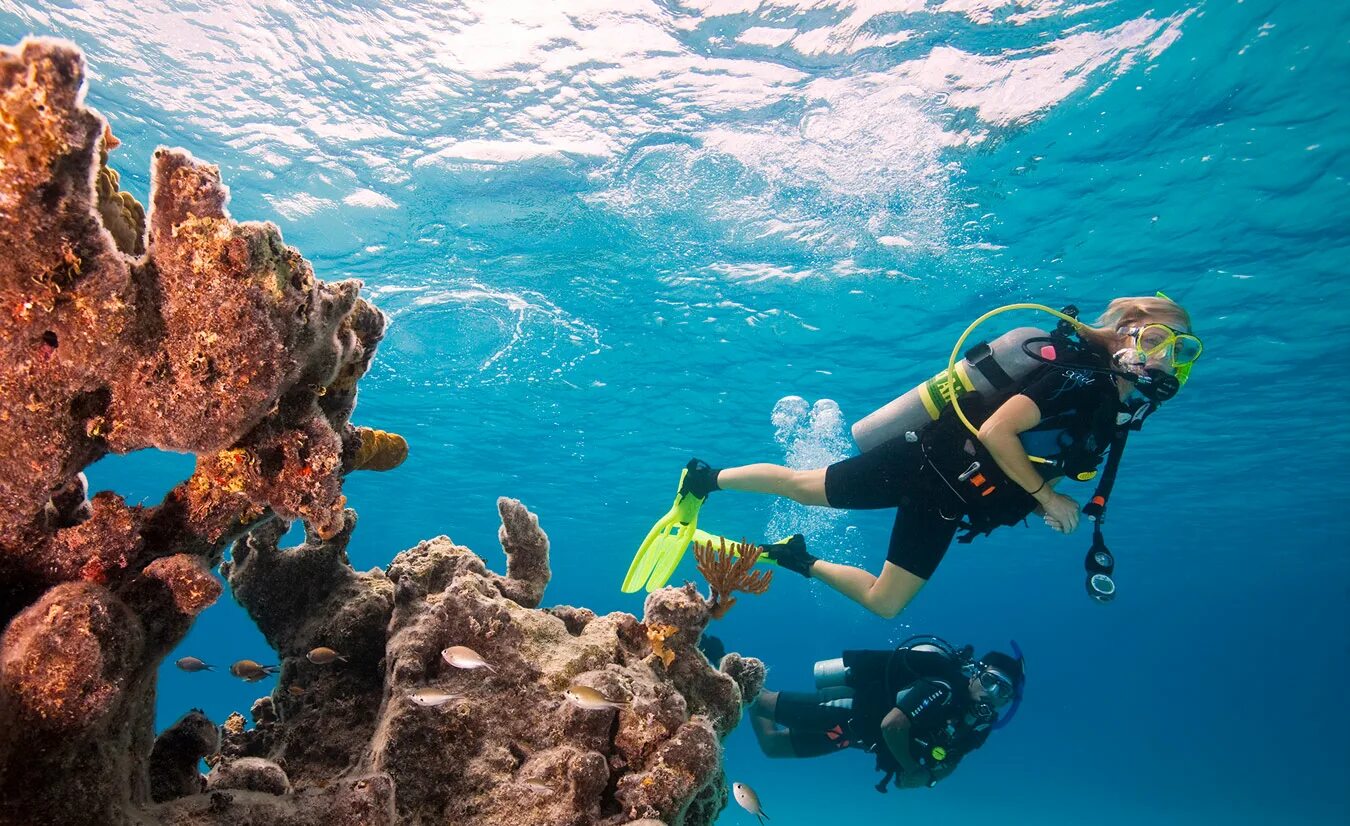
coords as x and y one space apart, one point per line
989 368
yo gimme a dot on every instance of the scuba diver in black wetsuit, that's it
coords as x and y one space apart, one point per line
920 708
981 445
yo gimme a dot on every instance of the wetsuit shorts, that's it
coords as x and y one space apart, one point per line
890 476
813 729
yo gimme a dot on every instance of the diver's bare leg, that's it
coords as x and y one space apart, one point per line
885 595
804 486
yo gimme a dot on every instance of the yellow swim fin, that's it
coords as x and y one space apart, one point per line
660 553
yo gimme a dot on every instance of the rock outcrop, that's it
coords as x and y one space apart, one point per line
188 332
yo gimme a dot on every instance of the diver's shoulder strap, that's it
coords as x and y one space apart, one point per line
981 357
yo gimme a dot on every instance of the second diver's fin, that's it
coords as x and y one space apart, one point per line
660 553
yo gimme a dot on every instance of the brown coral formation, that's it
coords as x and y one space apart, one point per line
730 569
187 332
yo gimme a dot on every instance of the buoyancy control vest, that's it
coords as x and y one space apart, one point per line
879 680
967 482
876 678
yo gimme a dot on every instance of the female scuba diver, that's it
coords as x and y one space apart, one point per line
982 444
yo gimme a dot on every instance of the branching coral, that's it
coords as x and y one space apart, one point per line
730 569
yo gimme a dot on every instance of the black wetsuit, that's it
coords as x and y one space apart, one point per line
1078 419
927 686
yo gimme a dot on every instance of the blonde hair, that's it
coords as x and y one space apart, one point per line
1133 312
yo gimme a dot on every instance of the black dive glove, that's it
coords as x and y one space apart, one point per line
791 554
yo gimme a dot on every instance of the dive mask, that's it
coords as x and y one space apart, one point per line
1006 717
1158 341
996 684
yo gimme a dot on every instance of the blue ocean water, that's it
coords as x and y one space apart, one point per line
612 234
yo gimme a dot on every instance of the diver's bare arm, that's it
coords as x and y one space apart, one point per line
886 595
895 731
999 434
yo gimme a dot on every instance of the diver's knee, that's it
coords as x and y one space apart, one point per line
886 611
765 704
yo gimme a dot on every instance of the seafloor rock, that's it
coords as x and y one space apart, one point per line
174 758
187 332
250 774
351 801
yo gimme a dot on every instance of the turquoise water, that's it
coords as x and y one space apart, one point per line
622 234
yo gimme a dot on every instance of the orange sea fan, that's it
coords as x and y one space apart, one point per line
729 569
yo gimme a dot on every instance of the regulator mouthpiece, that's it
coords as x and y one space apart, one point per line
1157 385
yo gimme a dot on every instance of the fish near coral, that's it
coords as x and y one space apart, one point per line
251 672
537 788
192 664
461 656
748 800
324 655
591 699
431 698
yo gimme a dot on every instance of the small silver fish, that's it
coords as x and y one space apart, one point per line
324 655
538 788
431 698
251 672
749 800
461 656
193 664
590 698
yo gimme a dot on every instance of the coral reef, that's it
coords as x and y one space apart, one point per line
730 569
184 330
188 332
510 748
